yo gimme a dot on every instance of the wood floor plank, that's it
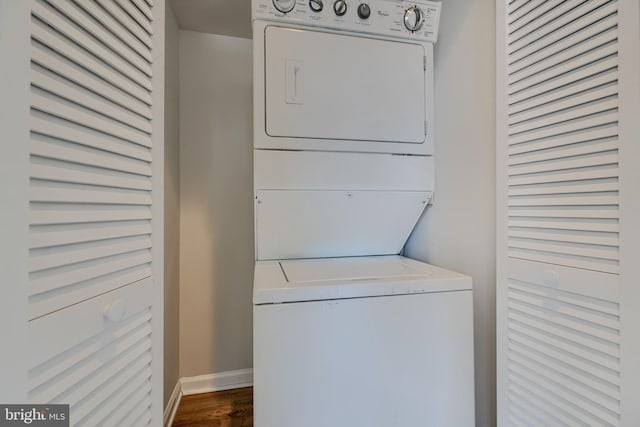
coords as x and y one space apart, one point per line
231 408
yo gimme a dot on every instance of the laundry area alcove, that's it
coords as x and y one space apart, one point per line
215 63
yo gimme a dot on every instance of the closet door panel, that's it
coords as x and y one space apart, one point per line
91 151
562 140
561 205
104 361
94 323
563 344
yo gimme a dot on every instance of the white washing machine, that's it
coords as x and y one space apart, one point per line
347 332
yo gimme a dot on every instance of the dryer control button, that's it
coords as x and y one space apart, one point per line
316 5
284 6
364 11
413 18
340 7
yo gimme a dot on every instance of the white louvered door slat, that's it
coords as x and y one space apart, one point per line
90 236
106 36
130 8
140 396
88 251
560 130
68 213
560 211
600 145
76 114
599 133
120 15
50 15
50 126
57 42
144 8
574 34
55 170
69 90
46 58
610 76
50 148
564 102
52 192
560 13
121 32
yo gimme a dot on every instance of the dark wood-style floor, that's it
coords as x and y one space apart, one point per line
232 408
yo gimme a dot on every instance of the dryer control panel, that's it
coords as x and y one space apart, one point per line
415 20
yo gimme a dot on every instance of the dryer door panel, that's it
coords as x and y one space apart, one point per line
325 86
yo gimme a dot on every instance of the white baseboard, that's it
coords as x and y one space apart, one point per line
172 404
217 382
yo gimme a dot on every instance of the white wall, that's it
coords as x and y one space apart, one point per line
216 218
458 231
171 204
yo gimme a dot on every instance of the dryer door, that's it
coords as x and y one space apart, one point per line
331 91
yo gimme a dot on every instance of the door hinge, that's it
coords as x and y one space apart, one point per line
424 63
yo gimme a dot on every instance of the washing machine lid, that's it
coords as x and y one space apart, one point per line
353 277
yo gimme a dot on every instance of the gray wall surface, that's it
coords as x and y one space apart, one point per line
216 218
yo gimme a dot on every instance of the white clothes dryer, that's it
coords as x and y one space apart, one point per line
340 83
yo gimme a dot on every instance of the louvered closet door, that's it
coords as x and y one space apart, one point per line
560 349
90 288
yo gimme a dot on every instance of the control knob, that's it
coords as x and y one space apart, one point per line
340 7
316 5
413 18
284 6
364 11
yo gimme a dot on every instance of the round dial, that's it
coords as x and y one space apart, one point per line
364 11
340 7
413 18
284 6
316 5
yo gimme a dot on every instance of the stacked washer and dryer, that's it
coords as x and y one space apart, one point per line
347 332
